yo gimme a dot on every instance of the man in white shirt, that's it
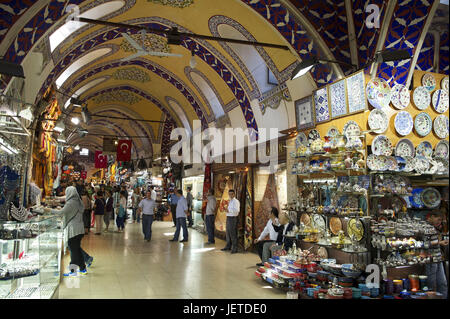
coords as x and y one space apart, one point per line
182 209
152 189
209 216
268 230
234 208
146 208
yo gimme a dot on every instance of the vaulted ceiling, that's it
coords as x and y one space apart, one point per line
87 62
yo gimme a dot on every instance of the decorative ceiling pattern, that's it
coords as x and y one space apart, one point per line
158 70
294 33
330 21
117 96
367 38
444 53
152 42
10 11
131 74
404 33
426 57
174 3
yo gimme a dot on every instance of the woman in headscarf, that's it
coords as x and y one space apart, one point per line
73 219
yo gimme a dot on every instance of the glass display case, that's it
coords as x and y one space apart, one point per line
30 258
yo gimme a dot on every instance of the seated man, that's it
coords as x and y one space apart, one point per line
282 242
268 230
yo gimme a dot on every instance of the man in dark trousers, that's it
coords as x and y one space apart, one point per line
181 217
189 200
173 200
234 208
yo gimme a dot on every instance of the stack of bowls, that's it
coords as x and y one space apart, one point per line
356 293
348 293
322 275
345 281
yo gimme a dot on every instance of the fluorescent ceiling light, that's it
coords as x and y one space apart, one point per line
84 152
75 120
77 147
303 67
7 150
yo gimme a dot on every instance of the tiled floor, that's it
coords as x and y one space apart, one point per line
126 266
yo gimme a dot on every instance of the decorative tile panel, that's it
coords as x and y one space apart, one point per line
274 97
304 113
356 92
321 109
338 99
10 12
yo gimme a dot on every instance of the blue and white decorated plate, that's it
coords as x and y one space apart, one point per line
424 149
421 98
415 199
442 149
440 101
403 123
378 93
400 96
351 128
313 135
421 164
381 145
423 124
441 126
429 82
405 148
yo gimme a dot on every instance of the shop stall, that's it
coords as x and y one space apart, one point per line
367 185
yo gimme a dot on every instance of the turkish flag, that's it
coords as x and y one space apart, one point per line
83 175
101 161
124 151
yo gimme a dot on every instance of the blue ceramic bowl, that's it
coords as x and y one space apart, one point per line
351 273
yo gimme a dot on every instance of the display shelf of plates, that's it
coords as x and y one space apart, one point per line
30 258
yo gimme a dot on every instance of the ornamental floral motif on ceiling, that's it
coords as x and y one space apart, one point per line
174 3
274 97
152 42
131 74
117 96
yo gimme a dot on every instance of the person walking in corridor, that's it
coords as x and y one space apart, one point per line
147 207
182 209
232 222
108 210
210 216
99 212
122 212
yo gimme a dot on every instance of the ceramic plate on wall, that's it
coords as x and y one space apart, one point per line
441 126
378 121
301 139
351 128
442 149
429 82
415 199
430 197
444 84
440 101
421 164
381 145
400 96
405 148
423 124
421 98
403 123
378 93
424 149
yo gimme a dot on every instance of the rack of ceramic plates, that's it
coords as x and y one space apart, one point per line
30 258
337 154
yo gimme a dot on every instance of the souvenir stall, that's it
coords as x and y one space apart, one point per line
368 184
196 185
30 242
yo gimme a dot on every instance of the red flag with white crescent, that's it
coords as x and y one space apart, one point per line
124 151
101 160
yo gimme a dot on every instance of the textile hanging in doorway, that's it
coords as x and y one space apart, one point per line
248 226
269 200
